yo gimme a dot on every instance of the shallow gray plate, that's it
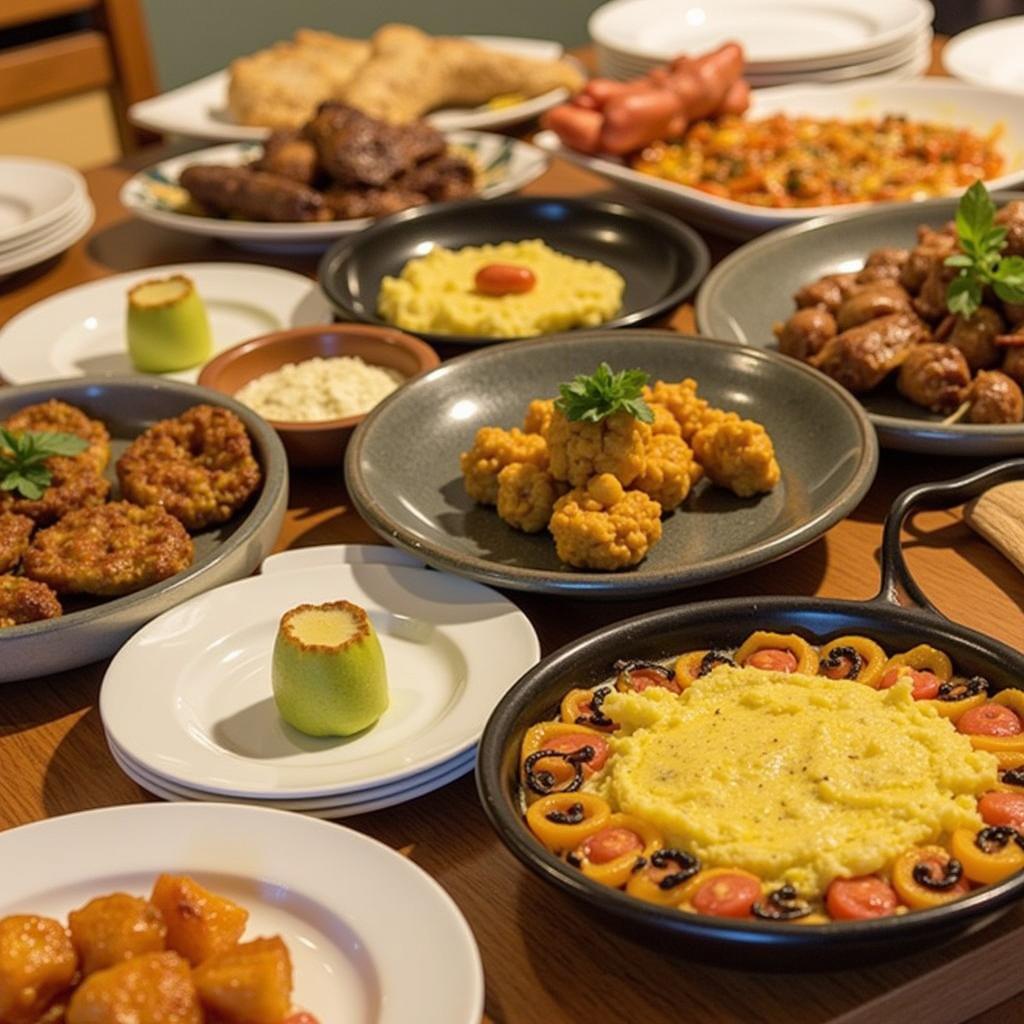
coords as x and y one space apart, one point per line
753 289
93 629
402 466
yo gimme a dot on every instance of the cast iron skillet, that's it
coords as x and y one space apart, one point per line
898 618
661 259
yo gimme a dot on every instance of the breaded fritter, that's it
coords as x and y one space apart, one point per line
581 449
60 418
669 471
737 454
199 466
682 401
527 496
110 550
494 449
15 533
75 484
23 600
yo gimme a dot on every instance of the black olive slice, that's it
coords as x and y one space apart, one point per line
572 815
544 783
597 717
997 837
954 690
686 863
782 905
834 659
711 660
952 872
623 666
1013 776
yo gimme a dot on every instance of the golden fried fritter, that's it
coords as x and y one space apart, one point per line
23 600
664 421
737 454
199 466
580 449
60 418
527 496
110 550
494 449
75 484
690 411
669 471
538 415
15 532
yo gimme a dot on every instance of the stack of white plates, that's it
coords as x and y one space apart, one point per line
44 209
188 708
785 41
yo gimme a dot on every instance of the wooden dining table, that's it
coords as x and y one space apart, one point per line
547 960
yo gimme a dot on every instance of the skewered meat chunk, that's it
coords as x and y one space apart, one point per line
1011 217
1013 360
975 336
871 301
995 398
805 333
931 249
359 201
253 195
441 178
930 303
863 356
934 375
883 265
287 154
829 292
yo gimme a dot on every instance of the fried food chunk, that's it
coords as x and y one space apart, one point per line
253 195
737 454
74 485
603 526
805 333
872 300
538 415
154 988
250 983
934 376
828 292
15 533
113 928
23 601
527 496
669 471
976 335
580 449
691 411
199 466
288 155
37 962
664 421
494 449
995 398
109 550
60 418
199 923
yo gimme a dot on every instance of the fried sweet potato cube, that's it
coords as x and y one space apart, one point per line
37 962
113 928
199 924
250 984
154 988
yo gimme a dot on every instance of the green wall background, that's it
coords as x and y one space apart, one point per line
194 37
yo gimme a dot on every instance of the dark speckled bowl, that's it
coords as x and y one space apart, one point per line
402 465
94 629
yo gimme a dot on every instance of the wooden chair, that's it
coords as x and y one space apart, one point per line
53 52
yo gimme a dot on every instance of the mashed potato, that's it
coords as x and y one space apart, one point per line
795 778
437 293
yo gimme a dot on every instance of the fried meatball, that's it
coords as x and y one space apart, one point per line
23 601
60 418
494 449
829 292
737 454
975 336
538 415
931 301
74 484
932 248
805 333
995 398
669 471
602 526
15 533
883 265
527 496
110 550
1013 363
691 411
934 376
871 301
199 466
580 449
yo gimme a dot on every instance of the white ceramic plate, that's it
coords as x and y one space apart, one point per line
81 332
991 55
780 36
929 99
505 164
64 235
34 193
339 554
206 718
200 109
373 939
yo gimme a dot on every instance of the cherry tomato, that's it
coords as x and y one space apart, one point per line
610 844
727 895
990 720
504 279
575 741
642 678
854 899
926 684
1003 809
772 659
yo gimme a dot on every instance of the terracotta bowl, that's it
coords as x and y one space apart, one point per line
321 442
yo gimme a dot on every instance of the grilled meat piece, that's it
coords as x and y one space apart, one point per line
931 249
883 265
935 376
995 398
441 178
1011 217
288 155
863 356
976 335
828 292
870 301
349 202
253 195
806 332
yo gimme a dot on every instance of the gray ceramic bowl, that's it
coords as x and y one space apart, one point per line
90 630
752 289
402 465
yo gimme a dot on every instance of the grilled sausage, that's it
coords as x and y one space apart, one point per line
995 398
975 336
871 301
935 376
253 195
805 333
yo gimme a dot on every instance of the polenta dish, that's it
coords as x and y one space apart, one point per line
509 290
784 782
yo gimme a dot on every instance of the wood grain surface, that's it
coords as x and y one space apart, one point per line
546 960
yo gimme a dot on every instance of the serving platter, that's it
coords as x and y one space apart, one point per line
402 464
988 54
752 289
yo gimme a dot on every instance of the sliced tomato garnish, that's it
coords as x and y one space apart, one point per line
727 895
856 899
772 659
610 844
1003 809
925 684
990 720
641 679
571 742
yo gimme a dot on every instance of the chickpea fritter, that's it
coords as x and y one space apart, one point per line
580 449
527 496
664 421
669 471
737 454
538 415
60 418
74 485
199 466
494 449
691 412
15 533
108 551
23 600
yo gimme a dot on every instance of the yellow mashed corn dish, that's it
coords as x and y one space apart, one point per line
439 293
794 778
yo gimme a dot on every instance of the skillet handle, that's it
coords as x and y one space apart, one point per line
898 586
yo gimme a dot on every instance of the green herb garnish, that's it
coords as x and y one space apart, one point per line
23 459
596 397
980 263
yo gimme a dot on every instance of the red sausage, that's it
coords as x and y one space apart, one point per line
737 99
716 71
579 129
632 121
504 279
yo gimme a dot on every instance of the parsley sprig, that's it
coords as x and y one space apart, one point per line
594 398
981 263
23 459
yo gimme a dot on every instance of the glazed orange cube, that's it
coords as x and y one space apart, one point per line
113 928
199 923
250 984
37 963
